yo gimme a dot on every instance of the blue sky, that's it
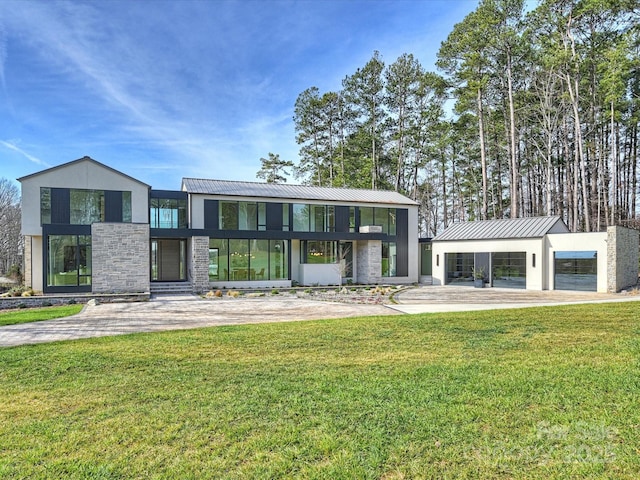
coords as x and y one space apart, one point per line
187 88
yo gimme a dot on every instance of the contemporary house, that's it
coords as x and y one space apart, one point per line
90 228
537 254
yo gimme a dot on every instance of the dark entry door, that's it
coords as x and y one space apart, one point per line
168 260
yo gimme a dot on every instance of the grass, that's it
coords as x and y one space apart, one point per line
533 393
15 317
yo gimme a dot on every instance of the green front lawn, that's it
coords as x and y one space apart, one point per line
14 317
532 393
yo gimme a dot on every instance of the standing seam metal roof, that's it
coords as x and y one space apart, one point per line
293 192
531 227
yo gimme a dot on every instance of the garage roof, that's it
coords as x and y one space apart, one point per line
531 227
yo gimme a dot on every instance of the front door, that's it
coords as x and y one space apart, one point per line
168 260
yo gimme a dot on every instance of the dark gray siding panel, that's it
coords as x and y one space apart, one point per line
60 209
112 206
274 216
211 214
402 239
342 219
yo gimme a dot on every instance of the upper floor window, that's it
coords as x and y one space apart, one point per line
242 215
168 213
83 207
313 218
87 206
384 217
45 206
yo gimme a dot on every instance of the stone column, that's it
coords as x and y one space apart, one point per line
27 267
622 258
369 261
199 267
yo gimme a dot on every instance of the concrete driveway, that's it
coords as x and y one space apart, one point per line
183 312
434 299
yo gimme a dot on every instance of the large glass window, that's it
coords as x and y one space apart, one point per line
319 251
218 260
69 260
87 206
242 259
168 213
242 215
248 216
318 218
278 260
576 270
300 217
239 259
366 216
391 214
389 256
228 215
509 269
459 267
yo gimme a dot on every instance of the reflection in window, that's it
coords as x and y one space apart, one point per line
366 216
242 259
318 251
87 206
509 269
576 270
168 213
69 260
389 257
459 267
300 217
45 206
126 207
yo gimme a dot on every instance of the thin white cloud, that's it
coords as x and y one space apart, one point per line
31 158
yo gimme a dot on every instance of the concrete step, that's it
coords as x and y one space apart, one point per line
166 288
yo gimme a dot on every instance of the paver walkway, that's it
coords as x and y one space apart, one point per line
182 312
172 312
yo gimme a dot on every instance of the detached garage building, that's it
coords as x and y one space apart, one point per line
537 253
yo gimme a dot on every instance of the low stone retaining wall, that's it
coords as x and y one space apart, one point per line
49 300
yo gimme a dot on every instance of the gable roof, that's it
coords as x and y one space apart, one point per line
292 192
78 161
530 227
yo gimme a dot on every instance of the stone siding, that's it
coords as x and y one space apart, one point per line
199 267
27 266
120 257
622 258
369 261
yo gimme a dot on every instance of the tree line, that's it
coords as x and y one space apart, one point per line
530 113
10 221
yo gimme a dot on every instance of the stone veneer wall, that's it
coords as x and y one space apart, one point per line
199 267
369 261
26 265
120 257
622 258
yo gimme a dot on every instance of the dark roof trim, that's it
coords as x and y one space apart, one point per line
80 160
